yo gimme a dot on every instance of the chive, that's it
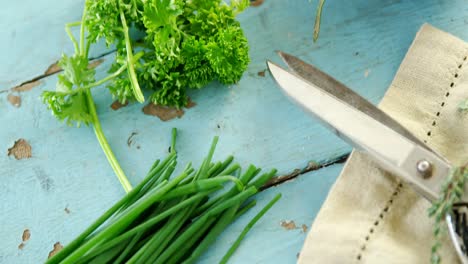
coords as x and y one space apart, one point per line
166 220
199 222
194 186
251 172
127 217
141 243
224 164
153 176
77 241
135 258
185 249
260 181
159 241
171 229
167 233
203 185
155 164
210 173
245 208
214 168
191 232
119 224
204 168
173 140
191 177
230 170
226 218
166 174
128 248
247 229
149 223
107 256
160 167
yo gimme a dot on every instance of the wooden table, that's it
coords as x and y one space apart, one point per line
67 182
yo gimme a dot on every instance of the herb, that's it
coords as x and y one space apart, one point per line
159 221
451 193
186 44
248 227
318 17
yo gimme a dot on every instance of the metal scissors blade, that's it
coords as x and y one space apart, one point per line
363 125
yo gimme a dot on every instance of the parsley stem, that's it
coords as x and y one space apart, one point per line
103 80
105 145
130 60
70 35
97 83
82 32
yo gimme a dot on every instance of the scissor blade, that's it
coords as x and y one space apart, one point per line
392 150
341 92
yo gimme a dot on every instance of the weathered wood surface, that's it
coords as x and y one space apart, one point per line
67 182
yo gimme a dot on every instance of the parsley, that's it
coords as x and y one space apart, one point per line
186 44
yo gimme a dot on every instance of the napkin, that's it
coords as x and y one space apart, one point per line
370 216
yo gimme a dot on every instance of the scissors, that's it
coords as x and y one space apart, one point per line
367 128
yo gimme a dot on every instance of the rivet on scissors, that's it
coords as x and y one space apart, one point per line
424 168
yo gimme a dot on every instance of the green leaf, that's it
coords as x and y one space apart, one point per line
160 19
197 68
66 103
70 108
239 5
228 54
161 14
172 92
102 20
121 87
75 72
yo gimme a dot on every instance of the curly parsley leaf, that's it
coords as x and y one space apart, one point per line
189 44
228 54
68 102
102 20
76 72
70 108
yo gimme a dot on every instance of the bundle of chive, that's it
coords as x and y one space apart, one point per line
171 219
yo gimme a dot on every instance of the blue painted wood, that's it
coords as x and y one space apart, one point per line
361 43
269 241
33 34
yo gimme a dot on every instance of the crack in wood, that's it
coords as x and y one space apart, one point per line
312 166
95 61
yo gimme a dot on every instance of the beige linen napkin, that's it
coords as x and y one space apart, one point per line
369 215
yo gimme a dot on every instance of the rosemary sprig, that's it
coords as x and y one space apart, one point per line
451 193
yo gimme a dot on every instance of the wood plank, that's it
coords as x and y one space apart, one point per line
34 37
68 171
255 122
274 239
